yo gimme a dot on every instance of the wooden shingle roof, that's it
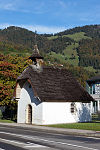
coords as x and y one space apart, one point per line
55 85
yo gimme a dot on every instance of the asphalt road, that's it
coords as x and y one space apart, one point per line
16 138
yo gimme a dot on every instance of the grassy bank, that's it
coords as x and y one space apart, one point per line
83 126
6 121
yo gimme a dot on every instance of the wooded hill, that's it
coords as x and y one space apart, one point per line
79 46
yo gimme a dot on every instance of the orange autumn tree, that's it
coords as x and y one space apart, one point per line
10 68
8 76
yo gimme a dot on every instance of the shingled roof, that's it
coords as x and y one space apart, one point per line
52 84
94 79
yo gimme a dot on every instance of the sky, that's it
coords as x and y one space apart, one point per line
49 16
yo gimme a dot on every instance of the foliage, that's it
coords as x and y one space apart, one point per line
89 53
10 68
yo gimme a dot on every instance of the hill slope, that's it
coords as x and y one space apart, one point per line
79 46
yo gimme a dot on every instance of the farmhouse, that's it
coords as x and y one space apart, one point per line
93 88
50 95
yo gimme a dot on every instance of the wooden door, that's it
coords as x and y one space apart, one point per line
29 114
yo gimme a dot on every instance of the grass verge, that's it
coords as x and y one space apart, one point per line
83 126
6 121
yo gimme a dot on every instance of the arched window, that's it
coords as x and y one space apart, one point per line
72 108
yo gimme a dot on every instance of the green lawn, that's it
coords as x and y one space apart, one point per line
83 126
6 121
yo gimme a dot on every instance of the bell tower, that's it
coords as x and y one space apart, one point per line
36 58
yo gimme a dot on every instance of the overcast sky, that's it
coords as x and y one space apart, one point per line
49 16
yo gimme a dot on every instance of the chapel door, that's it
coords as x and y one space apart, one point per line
29 114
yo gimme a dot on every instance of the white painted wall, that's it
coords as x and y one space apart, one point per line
56 113
60 113
27 97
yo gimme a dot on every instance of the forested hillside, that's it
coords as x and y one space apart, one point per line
84 50
90 30
79 46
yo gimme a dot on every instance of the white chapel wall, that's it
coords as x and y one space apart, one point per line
54 112
26 98
57 112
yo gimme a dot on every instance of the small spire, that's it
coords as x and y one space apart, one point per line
36 49
36 57
36 54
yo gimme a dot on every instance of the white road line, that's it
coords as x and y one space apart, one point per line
21 143
29 144
34 145
11 141
49 141
2 149
95 138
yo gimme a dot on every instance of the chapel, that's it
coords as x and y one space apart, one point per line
50 95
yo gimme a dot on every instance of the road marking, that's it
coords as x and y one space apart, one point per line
28 144
2 149
33 145
40 139
93 138
11 141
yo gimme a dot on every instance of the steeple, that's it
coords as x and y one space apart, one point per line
36 54
36 57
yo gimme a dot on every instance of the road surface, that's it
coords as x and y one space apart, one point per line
18 138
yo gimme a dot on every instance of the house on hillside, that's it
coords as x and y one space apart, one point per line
50 95
93 88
